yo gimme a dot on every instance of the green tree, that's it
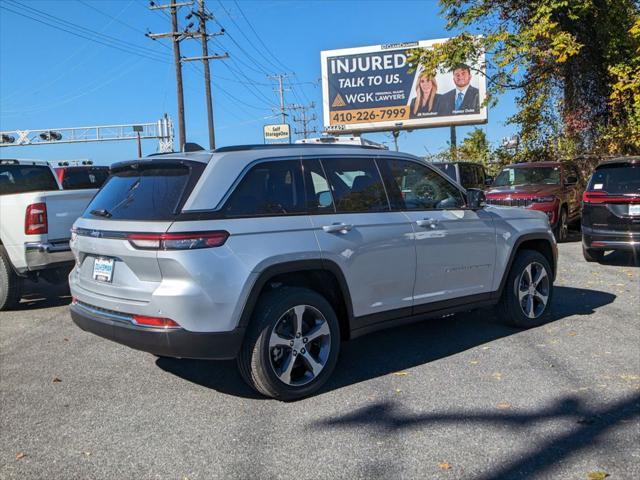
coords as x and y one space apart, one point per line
475 147
564 57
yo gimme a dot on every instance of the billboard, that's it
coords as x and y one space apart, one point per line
278 133
376 89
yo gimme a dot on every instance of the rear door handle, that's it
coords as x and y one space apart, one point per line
337 228
428 222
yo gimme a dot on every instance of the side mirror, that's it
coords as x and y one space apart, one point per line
476 199
488 180
571 180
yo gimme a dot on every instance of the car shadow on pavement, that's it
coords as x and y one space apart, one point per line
43 295
590 426
619 258
396 349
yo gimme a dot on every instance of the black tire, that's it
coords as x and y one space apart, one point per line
561 232
10 283
509 308
255 357
591 255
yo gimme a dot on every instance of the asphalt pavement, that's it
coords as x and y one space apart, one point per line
461 397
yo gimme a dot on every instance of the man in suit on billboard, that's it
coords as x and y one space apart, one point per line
464 99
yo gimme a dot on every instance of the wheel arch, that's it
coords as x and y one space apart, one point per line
322 276
533 241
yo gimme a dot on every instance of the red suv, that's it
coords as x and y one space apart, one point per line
551 187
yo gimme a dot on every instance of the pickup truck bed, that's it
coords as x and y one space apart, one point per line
35 226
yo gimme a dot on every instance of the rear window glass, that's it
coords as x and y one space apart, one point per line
75 179
26 178
141 194
448 169
618 179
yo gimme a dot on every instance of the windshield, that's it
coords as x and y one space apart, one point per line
141 194
510 176
26 178
78 178
617 178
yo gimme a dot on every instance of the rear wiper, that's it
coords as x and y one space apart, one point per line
103 212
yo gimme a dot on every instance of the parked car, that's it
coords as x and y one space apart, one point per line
611 209
77 177
274 254
467 174
36 225
550 187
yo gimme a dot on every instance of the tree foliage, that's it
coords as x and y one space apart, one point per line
574 63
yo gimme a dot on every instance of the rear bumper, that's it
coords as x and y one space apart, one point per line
610 240
177 343
41 255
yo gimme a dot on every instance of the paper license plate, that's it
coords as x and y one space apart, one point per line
103 269
634 209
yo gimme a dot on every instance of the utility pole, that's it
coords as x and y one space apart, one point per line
304 119
176 37
281 89
203 16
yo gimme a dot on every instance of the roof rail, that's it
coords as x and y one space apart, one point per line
274 146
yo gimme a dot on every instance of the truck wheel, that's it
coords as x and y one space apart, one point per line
561 232
527 294
591 255
10 283
292 344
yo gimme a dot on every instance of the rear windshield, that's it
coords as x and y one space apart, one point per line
510 176
26 178
149 193
78 178
616 178
448 169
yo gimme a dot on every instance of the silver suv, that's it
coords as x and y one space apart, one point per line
275 254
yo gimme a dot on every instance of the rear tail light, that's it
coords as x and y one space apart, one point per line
35 219
157 322
604 197
177 241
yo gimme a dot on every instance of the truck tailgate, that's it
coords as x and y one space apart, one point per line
63 208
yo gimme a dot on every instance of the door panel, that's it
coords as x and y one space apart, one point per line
355 228
455 246
455 254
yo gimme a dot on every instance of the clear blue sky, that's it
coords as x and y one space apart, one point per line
52 79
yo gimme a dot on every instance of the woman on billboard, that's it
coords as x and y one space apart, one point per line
427 100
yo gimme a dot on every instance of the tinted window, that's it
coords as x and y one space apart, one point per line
269 188
356 184
141 194
618 178
78 178
26 178
510 176
468 176
448 169
422 188
319 198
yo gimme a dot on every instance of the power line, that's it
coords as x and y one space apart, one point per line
258 36
86 37
87 31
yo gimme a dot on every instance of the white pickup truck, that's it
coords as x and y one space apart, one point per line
36 216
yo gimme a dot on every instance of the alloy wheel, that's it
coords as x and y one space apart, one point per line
299 345
533 290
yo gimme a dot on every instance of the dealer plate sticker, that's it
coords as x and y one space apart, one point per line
634 209
103 269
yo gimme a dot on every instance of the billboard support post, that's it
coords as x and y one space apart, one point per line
454 143
396 134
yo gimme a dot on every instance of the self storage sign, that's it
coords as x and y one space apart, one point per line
376 88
